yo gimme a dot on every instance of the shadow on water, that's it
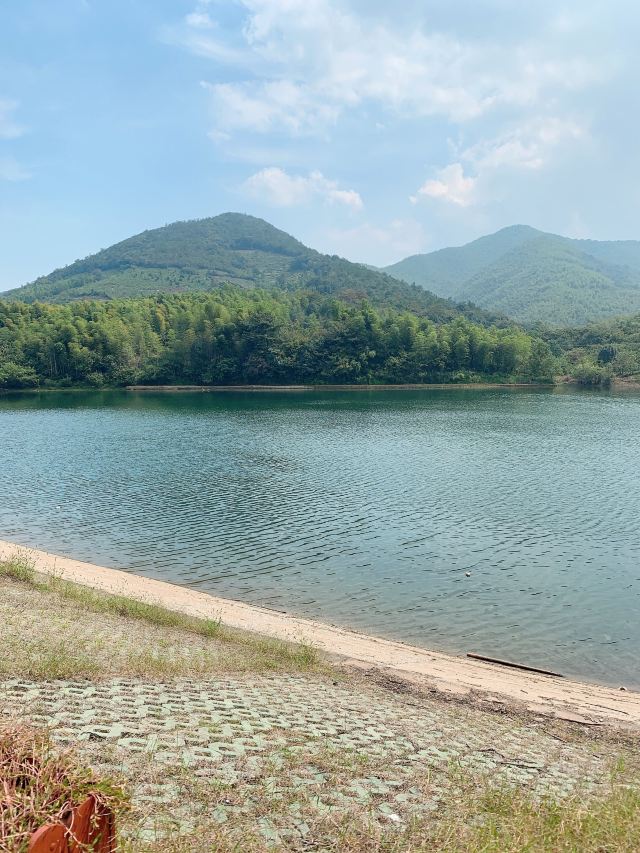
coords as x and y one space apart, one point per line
212 399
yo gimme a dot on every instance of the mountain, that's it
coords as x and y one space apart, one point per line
533 276
450 268
232 248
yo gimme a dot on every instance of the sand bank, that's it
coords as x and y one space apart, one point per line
450 675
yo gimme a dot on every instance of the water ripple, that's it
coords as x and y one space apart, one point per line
364 509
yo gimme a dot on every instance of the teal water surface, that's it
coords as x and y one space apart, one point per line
500 521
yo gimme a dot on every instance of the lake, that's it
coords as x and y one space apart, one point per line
365 509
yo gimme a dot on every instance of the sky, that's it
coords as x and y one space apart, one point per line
365 128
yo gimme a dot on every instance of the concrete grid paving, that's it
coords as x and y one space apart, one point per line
227 729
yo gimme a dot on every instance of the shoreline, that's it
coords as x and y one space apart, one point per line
617 384
409 387
448 675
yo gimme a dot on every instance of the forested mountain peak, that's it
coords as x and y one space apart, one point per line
236 249
192 244
196 242
534 276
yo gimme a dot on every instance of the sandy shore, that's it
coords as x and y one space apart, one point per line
450 675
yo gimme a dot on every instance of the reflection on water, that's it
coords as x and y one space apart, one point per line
366 509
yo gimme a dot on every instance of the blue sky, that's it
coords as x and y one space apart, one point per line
365 128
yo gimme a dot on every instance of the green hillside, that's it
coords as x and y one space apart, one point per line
549 280
599 352
534 277
232 248
619 252
450 268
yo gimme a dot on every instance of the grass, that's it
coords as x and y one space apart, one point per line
477 817
509 823
21 570
18 569
41 784
78 637
120 605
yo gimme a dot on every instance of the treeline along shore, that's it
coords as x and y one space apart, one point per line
238 337
234 337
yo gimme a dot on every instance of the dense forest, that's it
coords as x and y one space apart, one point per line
236 336
534 277
599 352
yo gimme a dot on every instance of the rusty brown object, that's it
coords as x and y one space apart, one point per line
49 839
87 827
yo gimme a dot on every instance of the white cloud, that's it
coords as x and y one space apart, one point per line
283 190
450 184
11 170
219 136
273 106
382 244
515 89
201 35
9 128
313 60
205 45
529 146
199 20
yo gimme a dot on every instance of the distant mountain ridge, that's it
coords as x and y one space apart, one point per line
236 249
533 276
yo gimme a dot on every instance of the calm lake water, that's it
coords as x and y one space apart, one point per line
363 509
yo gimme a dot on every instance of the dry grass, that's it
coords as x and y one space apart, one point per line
478 817
40 785
51 628
509 823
